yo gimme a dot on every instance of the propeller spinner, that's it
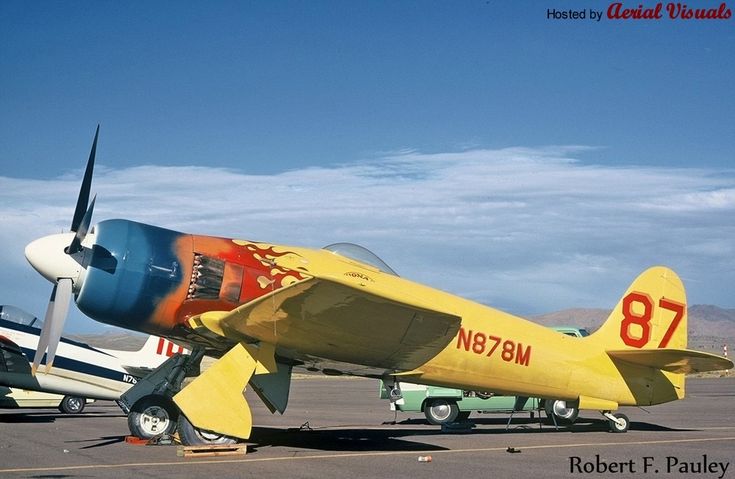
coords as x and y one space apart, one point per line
60 258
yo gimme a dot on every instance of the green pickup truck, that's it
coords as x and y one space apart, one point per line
446 405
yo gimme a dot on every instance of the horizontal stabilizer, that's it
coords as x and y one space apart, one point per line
673 360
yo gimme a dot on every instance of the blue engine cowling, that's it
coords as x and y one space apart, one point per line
133 268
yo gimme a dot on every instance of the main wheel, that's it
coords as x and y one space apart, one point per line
152 416
193 436
72 404
623 426
441 411
564 414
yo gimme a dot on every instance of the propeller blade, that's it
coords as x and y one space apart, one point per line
76 243
43 339
53 325
61 308
83 198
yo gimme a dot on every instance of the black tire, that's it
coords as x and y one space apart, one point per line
72 404
559 409
152 416
441 411
193 436
463 415
615 427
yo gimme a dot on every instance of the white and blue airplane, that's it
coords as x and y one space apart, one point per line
80 371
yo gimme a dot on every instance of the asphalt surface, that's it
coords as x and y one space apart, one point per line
347 431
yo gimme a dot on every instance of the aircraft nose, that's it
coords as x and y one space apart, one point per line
47 256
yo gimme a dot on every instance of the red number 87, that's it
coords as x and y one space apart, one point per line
643 319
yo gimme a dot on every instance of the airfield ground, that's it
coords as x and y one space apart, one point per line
350 435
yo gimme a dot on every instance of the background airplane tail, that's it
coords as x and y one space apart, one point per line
157 349
154 352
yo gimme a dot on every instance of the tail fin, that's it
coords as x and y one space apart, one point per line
646 337
154 352
159 349
652 314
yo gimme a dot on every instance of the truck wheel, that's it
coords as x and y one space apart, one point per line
72 404
193 436
615 427
152 416
564 413
441 411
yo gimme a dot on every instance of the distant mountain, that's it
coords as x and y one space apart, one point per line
119 339
587 318
711 313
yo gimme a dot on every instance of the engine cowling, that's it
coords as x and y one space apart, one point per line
136 273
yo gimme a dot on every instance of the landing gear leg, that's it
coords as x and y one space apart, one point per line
148 404
392 388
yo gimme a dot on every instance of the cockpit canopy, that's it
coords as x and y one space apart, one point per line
18 316
361 254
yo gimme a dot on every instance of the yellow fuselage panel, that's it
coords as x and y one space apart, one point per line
495 351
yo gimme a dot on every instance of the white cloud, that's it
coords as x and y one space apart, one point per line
531 229
720 199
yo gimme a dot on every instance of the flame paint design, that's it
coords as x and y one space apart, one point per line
260 275
266 254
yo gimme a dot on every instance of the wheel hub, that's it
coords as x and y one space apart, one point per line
154 420
561 410
441 411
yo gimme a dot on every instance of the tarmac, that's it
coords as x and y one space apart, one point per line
338 427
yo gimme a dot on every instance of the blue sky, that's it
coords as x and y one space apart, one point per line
560 157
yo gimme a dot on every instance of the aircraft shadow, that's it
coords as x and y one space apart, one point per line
55 476
529 424
390 437
26 418
601 425
340 439
106 441
393 437
48 417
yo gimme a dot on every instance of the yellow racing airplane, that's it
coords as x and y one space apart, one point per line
264 308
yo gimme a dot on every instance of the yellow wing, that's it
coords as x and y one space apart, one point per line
325 318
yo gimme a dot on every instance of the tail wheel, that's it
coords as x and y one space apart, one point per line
193 436
72 404
621 425
152 416
441 411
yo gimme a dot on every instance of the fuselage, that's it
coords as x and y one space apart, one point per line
79 369
153 280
